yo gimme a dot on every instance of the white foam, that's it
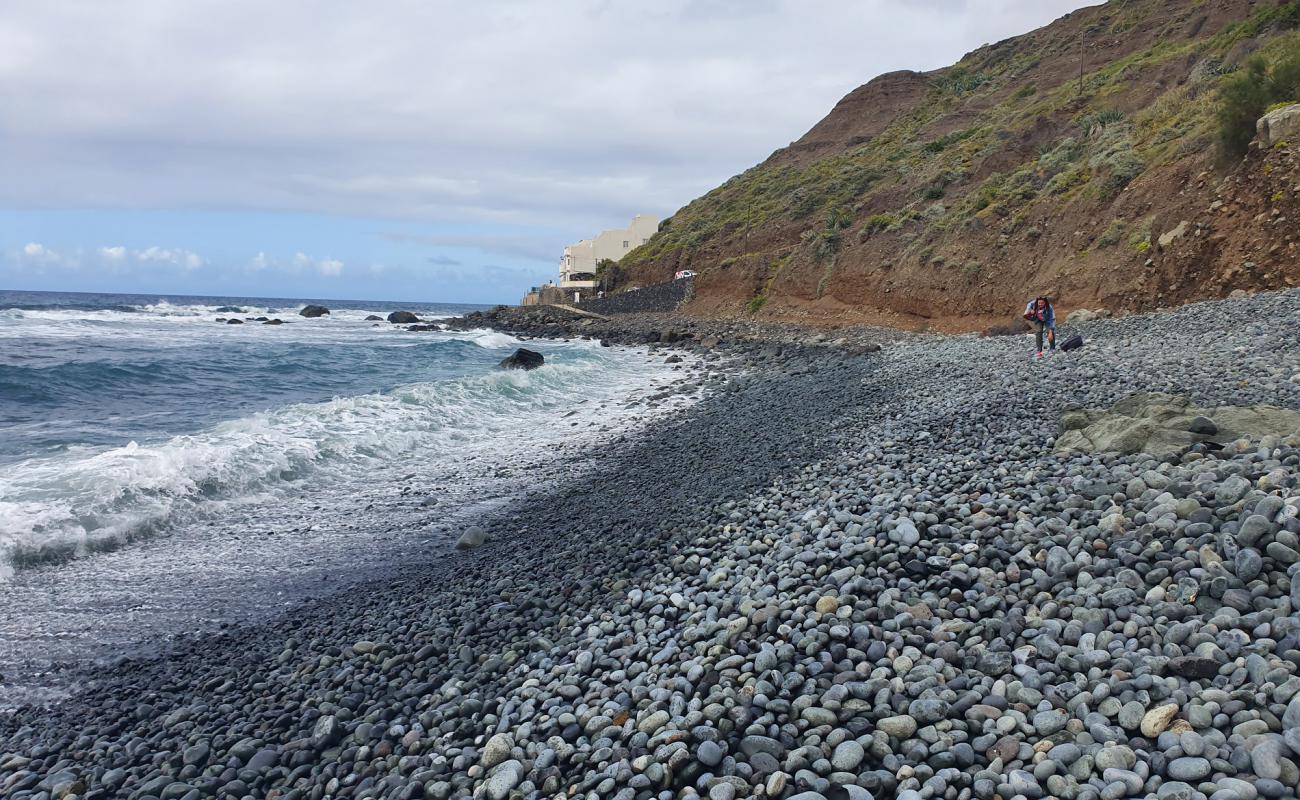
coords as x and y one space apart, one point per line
80 502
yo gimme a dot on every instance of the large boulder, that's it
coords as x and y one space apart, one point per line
314 311
402 318
1084 315
1169 237
1282 125
522 359
1164 425
1012 327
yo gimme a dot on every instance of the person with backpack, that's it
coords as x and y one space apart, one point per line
1042 316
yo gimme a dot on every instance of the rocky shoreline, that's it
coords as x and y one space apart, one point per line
842 574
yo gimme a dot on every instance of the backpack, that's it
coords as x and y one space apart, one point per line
1073 343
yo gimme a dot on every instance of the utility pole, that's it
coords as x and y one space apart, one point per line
1082 30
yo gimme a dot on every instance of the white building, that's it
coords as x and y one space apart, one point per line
578 266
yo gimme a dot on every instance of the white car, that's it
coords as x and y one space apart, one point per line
686 273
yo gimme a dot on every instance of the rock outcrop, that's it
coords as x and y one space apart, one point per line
313 311
1280 125
403 318
1164 425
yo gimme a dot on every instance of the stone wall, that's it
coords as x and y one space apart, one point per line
659 298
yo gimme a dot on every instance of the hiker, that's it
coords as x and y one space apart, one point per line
1042 316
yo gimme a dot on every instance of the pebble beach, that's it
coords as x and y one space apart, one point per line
842 573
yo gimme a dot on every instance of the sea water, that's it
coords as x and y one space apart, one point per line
159 468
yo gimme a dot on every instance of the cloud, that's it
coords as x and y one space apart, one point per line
497 124
443 261
258 262
184 259
36 251
299 264
113 253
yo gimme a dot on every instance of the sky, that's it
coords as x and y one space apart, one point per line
408 149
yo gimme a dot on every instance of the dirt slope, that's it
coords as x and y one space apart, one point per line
944 200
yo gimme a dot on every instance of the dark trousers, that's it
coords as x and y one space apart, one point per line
1041 328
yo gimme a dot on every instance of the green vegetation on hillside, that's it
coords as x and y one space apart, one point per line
1245 96
927 174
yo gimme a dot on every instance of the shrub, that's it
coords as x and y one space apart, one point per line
1064 181
1247 95
1102 119
1115 161
1242 100
758 302
960 80
877 223
1028 90
1112 235
1143 246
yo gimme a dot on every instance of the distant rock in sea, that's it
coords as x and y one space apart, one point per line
314 311
402 318
522 359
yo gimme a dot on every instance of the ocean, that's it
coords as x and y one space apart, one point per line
159 469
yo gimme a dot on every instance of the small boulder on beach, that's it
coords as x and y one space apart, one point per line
522 359
402 318
471 538
374 318
313 311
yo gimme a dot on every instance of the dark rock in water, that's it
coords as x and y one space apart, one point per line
402 318
276 321
230 310
522 359
314 311
260 319
221 319
233 321
424 328
374 318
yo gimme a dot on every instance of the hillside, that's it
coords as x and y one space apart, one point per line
945 199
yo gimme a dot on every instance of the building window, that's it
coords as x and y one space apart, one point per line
644 241
624 244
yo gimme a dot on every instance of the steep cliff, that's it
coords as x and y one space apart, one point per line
1053 162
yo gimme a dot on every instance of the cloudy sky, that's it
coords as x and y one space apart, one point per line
407 149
